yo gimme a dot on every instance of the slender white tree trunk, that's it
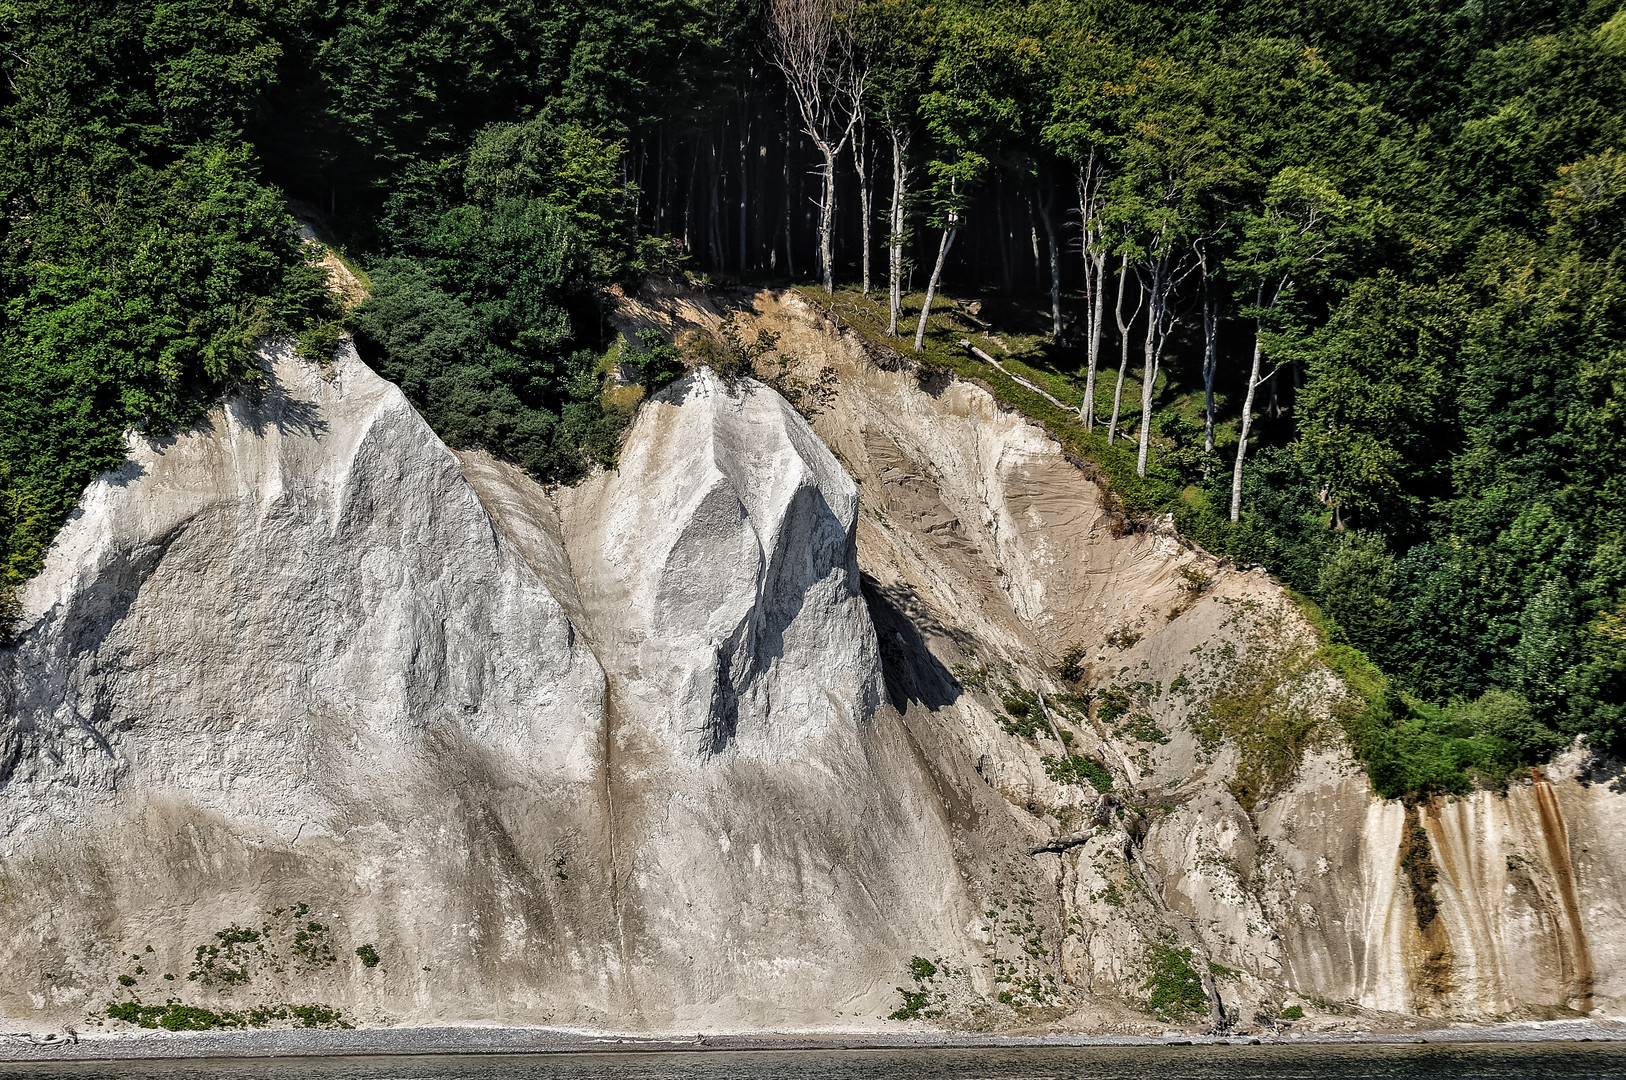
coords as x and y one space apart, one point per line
745 171
1211 313
861 162
1047 208
1276 289
1093 248
1154 350
790 237
1247 422
827 215
931 286
1123 340
900 183
1098 281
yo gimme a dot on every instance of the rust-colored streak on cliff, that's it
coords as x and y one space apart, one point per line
1577 957
1422 858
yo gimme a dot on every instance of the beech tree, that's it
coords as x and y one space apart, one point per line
1294 236
1174 153
899 39
1124 326
965 113
812 46
1213 307
1085 130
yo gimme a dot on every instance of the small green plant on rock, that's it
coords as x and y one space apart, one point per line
1176 989
1024 715
1194 580
917 1003
970 678
1261 701
1122 639
369 956
1078 770
1074 666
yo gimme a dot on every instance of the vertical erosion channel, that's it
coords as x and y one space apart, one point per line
1431 958
1574 954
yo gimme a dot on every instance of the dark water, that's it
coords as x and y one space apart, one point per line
1567 1061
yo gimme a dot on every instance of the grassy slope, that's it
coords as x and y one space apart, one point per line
1017 337
1012 334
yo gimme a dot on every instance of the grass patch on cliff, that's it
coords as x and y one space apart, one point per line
921 1002
1262 699
1112 465
1024 716
1175 990
1075 769
173 1015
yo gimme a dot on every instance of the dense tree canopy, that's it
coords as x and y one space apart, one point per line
1359 263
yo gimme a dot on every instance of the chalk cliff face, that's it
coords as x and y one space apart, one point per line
722 739
292 657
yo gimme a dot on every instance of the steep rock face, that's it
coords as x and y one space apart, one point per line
284 658
1526 895
724 737
779 855
986 556
290 657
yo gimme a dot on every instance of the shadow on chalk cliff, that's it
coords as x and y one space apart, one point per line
1602 769
269 405
913 674
810 545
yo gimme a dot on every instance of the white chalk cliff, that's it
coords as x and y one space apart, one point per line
714 740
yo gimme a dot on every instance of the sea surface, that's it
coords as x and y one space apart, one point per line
1562 1061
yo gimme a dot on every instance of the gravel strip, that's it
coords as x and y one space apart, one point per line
304 1042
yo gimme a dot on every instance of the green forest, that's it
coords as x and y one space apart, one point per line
1341 285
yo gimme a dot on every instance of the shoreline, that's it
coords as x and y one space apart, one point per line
477 1040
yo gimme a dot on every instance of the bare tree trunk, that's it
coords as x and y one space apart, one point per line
660 181
715 230
1211 314
745 166
1247 423
812 46
637 186
1123 341
1154 350
1098 289
1007 277
1094 277
931 286
827 214
1033 235
861 162
688 203
1047 213
790 239
1093 246
900 182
